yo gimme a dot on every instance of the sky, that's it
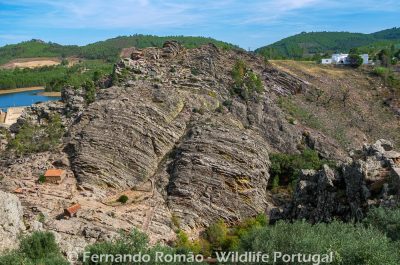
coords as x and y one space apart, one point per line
249 24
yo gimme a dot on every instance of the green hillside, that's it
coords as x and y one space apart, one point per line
308 44
35 48
105 50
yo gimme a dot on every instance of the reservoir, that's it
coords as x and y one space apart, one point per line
25 98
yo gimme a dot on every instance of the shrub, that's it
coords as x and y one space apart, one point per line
227 103
381 71
90 91
216 234
355 60
41 218
33 138
246 82
387 76
350 244
287 166
39 245
37 248
131 243
123 199
385 220
42 178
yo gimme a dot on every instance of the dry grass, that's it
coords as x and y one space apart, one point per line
347 104
23 89
31 63
38 62
50 94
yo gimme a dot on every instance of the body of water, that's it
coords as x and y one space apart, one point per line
21 99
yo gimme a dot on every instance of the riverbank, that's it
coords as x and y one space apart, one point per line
50 94
22 89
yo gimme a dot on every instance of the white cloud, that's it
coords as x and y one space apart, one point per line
153 13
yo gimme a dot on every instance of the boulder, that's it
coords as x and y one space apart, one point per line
370 179
11 221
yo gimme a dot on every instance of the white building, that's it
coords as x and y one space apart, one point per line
326 61
365 58
342 58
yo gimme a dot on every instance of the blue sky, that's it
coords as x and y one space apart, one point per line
249 24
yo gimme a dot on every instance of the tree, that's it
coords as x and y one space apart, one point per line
355 60
90 91
384 57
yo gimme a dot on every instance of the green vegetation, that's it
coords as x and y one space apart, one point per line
351 244
38 248
375 241
297 112
386 220
33 138
219 237
54 77
123 199
42 179
108 50
285 168
36 48
388 76
306 45
246 82
97 60
90 91
128 243
355 60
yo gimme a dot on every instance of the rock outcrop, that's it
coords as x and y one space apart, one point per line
186 149
219 171
11 221
371 179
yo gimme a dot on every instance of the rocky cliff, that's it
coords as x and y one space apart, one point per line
370 178
187 143
11 224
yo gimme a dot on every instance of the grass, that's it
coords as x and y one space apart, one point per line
299 113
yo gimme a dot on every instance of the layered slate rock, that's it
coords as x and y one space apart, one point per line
11 221
122 137
219 172
172 118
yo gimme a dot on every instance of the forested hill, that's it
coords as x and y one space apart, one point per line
311 43
106 50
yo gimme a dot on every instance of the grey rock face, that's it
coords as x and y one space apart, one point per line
11 221
160 124
219 172
371 179
172 136
73 98
119 141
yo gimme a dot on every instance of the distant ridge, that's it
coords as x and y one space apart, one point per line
311 43
105 50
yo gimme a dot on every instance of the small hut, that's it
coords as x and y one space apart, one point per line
72 210
55 176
